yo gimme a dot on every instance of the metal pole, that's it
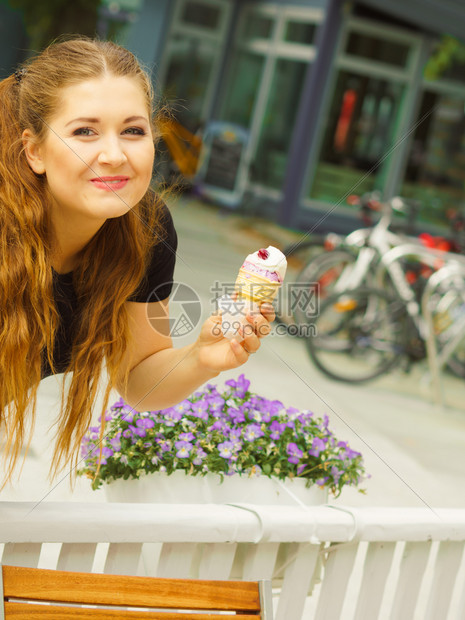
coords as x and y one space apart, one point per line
309 114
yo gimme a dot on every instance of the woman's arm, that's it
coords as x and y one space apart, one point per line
162 376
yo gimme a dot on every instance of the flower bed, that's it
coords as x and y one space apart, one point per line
227 432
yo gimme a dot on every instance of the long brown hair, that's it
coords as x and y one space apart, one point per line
29 318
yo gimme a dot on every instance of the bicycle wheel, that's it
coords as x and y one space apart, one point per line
298 255
316 282
359 335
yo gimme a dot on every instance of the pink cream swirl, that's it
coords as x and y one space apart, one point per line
273 276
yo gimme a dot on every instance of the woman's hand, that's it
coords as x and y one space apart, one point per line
217 353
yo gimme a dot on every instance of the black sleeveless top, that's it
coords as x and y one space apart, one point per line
155 286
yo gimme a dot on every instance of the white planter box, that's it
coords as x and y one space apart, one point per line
179 488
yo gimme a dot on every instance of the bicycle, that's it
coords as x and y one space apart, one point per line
318 247
354 260
378 328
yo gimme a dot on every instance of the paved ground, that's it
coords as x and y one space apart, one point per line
413 448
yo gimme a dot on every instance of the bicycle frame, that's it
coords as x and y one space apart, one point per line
373 244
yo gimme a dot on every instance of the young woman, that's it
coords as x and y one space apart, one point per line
84 241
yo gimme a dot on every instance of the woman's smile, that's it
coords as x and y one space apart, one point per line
110 184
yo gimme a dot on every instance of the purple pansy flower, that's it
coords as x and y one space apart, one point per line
172 416
183 449
252 432
145 423
277 428
317 446
294 452
226 449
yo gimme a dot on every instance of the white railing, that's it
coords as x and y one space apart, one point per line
326 563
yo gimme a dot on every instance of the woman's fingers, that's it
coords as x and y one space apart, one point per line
268 312
259 323
241 351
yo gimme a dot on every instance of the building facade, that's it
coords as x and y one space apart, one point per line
376 121
332 95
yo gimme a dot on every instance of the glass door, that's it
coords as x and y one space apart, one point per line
191 61
363 121
243 87
188 78
278 123
359 129
274 48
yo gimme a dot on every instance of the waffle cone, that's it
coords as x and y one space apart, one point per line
255 288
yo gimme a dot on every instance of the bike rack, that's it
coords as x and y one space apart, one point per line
454 267
436 361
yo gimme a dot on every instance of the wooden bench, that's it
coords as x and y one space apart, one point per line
25 590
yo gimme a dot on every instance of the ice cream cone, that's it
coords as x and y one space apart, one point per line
256 288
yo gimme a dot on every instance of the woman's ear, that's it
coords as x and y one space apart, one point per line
33 152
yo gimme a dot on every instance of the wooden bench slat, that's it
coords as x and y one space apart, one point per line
21 611
86 588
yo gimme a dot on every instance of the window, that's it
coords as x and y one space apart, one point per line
378 49
187 78
192 59
362 121
359 129
201 14
300 32
278 123
435 172
256 27
274 47
244 83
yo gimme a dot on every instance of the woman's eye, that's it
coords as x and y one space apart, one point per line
83 131
135 131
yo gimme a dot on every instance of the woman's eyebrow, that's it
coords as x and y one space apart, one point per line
87 119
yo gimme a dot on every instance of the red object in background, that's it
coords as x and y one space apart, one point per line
349 100
353 200
435 243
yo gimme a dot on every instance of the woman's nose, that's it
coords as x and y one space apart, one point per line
111 153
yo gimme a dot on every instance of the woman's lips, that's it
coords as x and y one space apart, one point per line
110 184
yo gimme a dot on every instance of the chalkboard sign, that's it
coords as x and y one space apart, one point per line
221 173
223 164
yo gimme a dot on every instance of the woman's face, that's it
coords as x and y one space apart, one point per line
98 151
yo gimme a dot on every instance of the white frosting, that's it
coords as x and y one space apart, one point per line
276 260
